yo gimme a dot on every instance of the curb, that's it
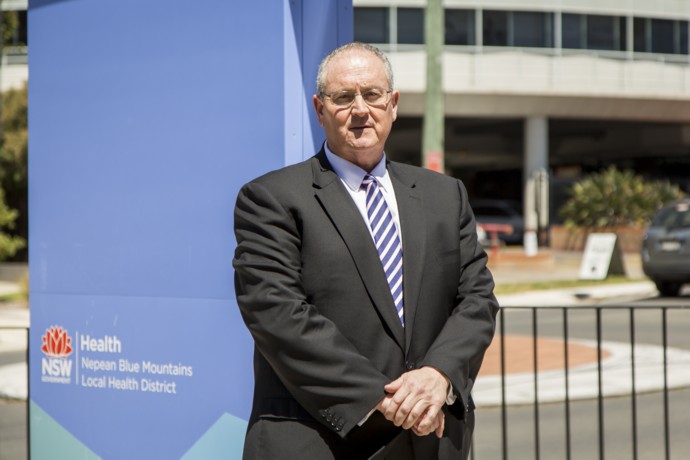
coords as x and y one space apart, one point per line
584 295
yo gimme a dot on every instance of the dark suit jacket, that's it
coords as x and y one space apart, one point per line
314 296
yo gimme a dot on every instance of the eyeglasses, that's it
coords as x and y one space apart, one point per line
372 96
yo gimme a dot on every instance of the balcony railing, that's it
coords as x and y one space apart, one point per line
15 55
665 58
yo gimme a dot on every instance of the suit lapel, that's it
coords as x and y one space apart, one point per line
348 221
413 228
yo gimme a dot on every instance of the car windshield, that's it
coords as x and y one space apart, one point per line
677 216
496 208
491 211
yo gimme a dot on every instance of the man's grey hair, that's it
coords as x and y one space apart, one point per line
352 46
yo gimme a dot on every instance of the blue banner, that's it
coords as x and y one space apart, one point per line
146 118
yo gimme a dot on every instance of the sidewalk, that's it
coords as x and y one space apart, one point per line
8 287
512 266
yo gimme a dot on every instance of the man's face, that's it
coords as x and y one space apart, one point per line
356 133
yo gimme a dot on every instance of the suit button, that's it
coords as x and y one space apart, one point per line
409 365
338 428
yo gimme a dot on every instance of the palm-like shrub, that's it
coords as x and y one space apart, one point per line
613 198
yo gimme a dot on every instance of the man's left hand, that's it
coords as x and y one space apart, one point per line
415 399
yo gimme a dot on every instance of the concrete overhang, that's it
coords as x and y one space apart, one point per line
520 84
526 105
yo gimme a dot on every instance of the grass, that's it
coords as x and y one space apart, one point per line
16 296
514 288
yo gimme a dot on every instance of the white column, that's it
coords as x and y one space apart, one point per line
536 158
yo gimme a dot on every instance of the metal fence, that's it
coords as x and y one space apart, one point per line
637 405
636 401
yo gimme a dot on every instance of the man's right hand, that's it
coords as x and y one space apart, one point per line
437 426
415 399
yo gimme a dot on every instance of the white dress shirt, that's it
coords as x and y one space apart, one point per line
352 176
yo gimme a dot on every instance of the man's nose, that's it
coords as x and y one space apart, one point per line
359 106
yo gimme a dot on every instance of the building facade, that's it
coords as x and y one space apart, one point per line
565 86
14 62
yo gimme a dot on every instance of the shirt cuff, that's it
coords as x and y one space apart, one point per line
450 397
366 417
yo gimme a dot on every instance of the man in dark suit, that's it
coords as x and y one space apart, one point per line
364 287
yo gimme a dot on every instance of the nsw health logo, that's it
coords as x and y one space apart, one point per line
56 366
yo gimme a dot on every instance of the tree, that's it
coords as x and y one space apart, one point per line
9 244
11 28
13 157
613 198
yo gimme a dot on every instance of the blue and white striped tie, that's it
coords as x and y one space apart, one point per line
387 241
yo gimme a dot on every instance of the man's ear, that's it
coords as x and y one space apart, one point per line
394 103
318 108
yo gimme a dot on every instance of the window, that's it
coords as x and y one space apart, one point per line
519 28
640 35
660 36
605 32
371 25
459 27
411 26
495 28
572 35
673 216
595 32
532 29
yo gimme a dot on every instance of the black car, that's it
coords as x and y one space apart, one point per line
666 248
501 212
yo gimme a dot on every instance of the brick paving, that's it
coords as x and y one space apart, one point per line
519 355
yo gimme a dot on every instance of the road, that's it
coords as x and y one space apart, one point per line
12 430
617 412
618 431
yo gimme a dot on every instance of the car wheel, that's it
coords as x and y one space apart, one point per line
668 288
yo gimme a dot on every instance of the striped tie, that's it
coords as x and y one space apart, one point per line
386 240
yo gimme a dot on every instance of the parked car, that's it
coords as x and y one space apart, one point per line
502 212
666 248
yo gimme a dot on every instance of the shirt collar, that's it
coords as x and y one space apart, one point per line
352 174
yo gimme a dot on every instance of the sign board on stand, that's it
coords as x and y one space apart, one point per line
602 257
